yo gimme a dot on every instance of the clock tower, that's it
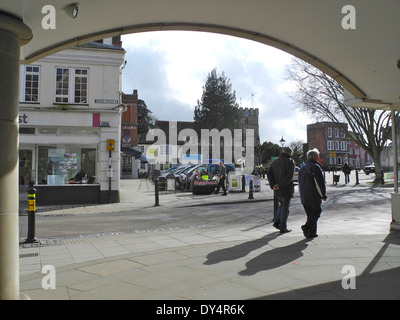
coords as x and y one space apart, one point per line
250 121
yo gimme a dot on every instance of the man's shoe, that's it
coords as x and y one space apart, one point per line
285 230
224 194
306 231
277 225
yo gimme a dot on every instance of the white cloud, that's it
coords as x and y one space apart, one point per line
170 68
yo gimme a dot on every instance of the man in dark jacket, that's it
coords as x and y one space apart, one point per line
280 176
312 192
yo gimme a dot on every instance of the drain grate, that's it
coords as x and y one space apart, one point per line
28 255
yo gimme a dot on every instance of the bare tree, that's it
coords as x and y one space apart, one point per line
323 99
297 148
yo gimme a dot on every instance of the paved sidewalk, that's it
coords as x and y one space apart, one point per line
234 263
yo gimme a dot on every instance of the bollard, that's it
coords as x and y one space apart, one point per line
31 214
382 177
251 190
157 203
357 181
243 183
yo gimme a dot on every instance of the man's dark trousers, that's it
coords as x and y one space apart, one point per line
221 184
282 213
313 214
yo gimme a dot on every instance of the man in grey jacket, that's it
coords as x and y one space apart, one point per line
222 178
280 176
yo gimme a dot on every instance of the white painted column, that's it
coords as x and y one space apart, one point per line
13 34
395 224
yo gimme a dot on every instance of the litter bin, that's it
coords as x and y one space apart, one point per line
336 178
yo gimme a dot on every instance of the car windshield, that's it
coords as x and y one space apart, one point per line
170 171
187 170
198 167
180 170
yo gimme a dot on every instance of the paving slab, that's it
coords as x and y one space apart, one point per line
233 262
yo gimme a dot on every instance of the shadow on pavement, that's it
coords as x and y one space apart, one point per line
275 258
239 251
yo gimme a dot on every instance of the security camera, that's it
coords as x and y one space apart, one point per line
71 10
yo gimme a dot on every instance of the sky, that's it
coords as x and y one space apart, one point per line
170 68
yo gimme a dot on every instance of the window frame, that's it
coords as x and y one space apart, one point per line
32 73
70 86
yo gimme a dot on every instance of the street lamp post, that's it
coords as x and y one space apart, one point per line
282 142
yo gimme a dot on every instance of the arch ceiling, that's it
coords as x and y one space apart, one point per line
363 59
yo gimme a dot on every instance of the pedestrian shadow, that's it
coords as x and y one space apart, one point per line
275 258
239 251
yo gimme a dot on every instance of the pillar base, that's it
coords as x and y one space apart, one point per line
395 224
23 296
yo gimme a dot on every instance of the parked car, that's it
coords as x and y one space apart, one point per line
369 169
212 170
171 173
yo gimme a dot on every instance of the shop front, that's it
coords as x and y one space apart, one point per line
64 154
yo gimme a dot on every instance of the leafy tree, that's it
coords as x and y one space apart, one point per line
323 98
145 120
265 151
218 107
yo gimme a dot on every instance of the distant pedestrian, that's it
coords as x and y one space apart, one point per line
222 179
280 176
312 192
346 170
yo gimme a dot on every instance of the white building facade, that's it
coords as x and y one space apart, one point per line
69 118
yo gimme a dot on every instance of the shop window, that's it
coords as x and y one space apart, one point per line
48 130
25 167
25 130
62 164
79 131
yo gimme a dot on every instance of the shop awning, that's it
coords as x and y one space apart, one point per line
134 153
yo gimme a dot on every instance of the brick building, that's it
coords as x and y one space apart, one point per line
129 120
129 134
331 142
357 156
